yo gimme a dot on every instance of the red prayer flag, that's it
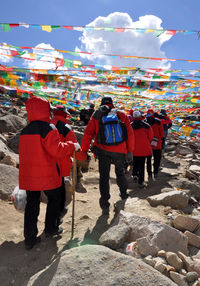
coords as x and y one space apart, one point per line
14 53
68 27
14 25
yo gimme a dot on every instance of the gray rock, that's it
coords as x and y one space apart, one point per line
13 143
183 150
193 239
8 181
97 265
151 236
149 260
117 237
184 184
183 222
160 267
11 123
174 260
195 169
178 278
139 207
191 264
174 199
191 276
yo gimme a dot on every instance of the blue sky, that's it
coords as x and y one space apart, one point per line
172 14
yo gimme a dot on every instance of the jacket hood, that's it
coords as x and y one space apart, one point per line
38 109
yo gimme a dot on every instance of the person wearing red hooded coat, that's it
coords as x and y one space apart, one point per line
167 124
60 120
107 155
40 150
158 133
143 136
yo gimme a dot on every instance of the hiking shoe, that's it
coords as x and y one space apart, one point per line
29 245
54 232
135 179
124 196
105 211
155 175
141 185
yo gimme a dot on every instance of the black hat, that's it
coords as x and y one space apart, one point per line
163 111
106 100
92 105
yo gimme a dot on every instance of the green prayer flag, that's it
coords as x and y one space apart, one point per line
68 63
109 29
55 27
158 33
5 27
74 54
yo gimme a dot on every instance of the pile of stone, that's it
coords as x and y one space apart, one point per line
172 250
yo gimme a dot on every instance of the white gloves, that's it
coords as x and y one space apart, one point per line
77 146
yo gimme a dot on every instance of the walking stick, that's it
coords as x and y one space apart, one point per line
73 192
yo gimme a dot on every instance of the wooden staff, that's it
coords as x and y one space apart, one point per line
73 192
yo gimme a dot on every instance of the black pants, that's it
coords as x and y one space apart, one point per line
138 168
32 212
156 162
62 196
105 161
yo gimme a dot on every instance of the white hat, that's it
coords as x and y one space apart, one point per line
136 114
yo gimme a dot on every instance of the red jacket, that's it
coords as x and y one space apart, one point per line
40 149
158 130
166 121
93 128
143 137
66 134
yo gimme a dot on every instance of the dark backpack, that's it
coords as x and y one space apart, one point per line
112 131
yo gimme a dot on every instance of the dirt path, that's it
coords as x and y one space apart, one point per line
18 265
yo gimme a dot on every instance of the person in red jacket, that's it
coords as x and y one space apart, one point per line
40 149
167 124
60 120
143 136
108 153
158 133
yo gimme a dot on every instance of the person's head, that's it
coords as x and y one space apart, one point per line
150 112
107 101
163 112
92 105
38 109
61 111
136 114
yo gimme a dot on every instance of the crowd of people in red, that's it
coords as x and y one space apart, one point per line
47 145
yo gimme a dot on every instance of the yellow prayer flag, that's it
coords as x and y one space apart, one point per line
46 28
149 30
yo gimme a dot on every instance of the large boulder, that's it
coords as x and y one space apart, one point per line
13 143
193 189
174 199
98 265
8 181
11 123
150 236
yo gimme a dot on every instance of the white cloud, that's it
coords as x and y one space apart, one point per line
129 43
47 58
5 50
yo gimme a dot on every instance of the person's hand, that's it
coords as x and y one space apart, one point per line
81 156
77 147
129 157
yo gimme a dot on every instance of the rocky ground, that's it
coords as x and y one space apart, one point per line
178 184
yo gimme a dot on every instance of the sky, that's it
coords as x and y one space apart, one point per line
157 14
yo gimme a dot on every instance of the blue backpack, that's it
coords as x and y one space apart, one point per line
112 131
